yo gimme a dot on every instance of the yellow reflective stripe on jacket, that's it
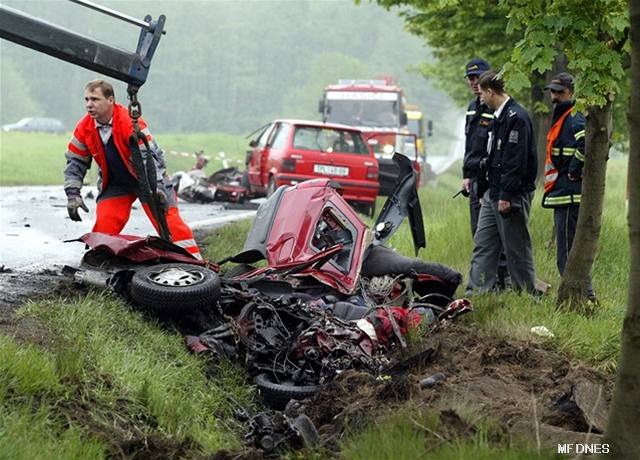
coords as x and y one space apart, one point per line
471 112
565 151
559 200
579 156
488 115
579 134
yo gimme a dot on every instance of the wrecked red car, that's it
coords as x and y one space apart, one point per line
331 296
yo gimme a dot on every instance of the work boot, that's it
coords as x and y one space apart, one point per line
503 283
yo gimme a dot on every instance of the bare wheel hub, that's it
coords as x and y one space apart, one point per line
176 277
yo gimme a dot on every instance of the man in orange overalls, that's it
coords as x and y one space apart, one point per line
103 135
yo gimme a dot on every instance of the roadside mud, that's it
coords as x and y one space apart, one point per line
529 390
19 286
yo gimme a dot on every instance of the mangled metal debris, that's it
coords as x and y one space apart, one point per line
330 298
225 185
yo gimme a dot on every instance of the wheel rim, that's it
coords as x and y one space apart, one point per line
178 277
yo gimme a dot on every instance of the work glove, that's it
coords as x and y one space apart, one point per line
73 203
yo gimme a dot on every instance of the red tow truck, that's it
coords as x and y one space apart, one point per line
377 107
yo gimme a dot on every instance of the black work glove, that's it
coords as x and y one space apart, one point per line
73 203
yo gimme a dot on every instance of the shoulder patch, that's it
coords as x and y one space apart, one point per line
514 134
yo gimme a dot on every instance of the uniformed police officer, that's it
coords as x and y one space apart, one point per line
504 215
477 124
563 166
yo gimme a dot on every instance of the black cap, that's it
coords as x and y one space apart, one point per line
476 66
561 82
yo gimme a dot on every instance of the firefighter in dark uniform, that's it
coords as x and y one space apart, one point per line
476 130
511 175
563 166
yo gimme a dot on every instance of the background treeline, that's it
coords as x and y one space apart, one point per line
225 66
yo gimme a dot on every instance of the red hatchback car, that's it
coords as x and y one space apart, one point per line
287 152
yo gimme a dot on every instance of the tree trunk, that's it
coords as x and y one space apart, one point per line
585 243
623 429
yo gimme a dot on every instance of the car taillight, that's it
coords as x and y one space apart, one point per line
372 173
288 165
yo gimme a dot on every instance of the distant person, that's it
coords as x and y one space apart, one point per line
563 167
477 126
103 135
201 161
504 215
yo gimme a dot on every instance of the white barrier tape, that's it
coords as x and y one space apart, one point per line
187 154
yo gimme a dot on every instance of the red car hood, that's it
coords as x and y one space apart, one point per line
138 248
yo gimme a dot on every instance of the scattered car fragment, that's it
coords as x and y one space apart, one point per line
224 185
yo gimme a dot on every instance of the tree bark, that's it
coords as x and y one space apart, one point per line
575 279
623 429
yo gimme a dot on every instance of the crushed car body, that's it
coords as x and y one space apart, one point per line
330 295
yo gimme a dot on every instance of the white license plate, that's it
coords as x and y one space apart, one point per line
331 170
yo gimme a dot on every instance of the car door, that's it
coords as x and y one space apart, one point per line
257 159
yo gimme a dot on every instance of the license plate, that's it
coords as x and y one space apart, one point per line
331 170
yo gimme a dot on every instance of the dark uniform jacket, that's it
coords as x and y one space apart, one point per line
476 130
567 156
513 159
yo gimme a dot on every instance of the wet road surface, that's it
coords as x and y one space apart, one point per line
34 223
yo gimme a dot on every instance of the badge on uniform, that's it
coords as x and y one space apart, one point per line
484 122
513 136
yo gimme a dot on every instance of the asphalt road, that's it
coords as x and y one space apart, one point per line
34 224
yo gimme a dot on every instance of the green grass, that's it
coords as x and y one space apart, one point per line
38 158
420 435
110 373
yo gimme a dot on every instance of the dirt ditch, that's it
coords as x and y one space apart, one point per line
533 392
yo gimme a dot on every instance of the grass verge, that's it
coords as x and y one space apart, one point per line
38 158
423 435
110 383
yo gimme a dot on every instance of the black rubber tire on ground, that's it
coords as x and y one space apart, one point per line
277 395
173 288
271 188
238 270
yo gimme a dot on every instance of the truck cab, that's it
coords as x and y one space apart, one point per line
378 108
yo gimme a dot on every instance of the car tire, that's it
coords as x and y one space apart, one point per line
271 188
238 270
172 288
277 395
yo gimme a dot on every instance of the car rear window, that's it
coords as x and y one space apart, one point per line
329 140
